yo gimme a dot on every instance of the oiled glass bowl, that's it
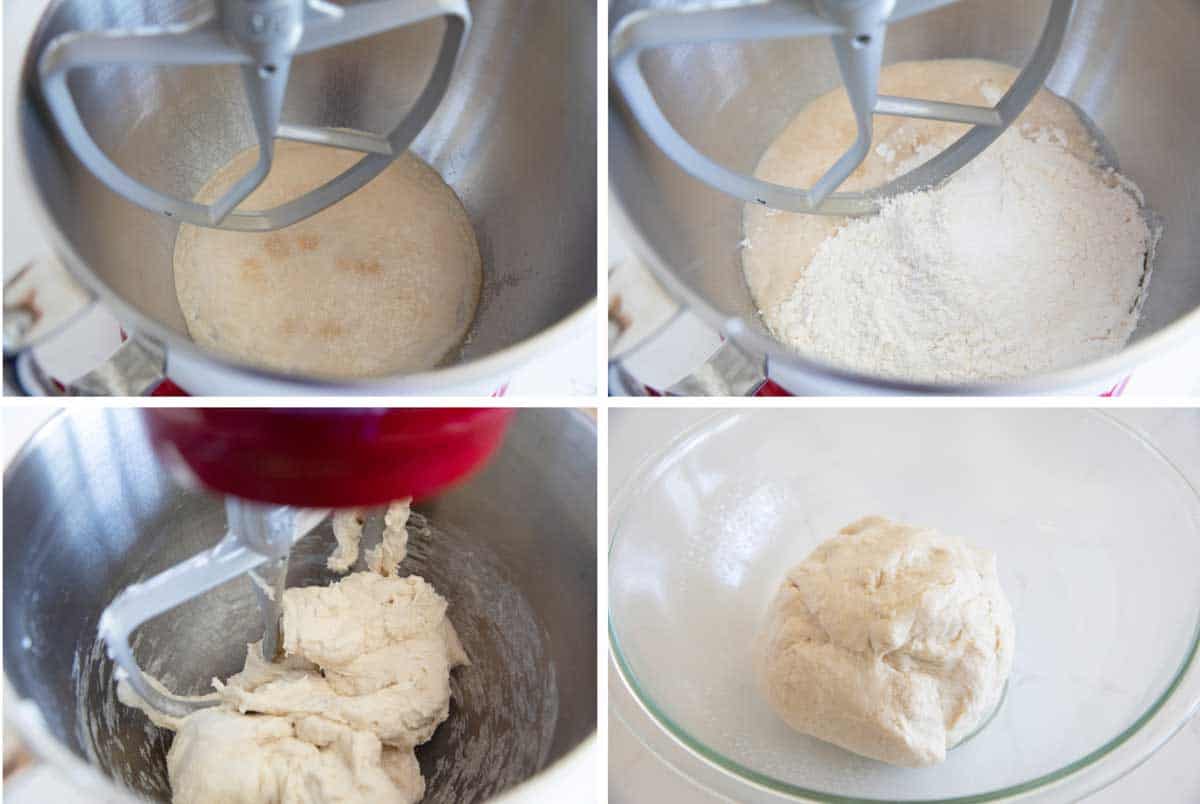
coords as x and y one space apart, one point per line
1098 542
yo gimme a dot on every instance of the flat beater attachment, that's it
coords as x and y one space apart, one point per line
262 36
257 543
857 29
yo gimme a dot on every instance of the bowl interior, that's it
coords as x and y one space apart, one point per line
90 510
1097 538
514 136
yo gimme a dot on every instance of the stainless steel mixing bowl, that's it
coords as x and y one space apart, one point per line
88 509
1130 67
515 137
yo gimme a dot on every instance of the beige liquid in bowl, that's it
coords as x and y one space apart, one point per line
386 281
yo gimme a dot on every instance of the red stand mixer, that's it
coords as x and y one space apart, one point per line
282 470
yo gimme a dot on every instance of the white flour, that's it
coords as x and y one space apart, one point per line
1027 260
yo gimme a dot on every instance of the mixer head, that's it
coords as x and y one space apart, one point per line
262 37
326 457
857 29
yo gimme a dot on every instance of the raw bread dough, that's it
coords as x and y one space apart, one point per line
385 281
365 679
347 530
393 545
889 640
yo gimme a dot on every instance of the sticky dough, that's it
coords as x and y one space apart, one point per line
365 679
386 281
889 640
393 544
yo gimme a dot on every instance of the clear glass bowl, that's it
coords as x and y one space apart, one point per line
1098 542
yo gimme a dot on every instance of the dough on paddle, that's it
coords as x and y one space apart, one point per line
386 281
365 679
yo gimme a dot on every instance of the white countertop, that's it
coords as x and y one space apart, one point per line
1170 776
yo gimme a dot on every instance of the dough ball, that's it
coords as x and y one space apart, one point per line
889 640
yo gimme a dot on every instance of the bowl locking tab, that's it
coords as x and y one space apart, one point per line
857 29
257 542
262 36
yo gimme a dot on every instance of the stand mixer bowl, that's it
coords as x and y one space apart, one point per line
514 137
89 510
1126 65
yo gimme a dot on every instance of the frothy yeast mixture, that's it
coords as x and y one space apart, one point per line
386 281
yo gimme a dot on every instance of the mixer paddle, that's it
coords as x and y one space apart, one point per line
262 37
258 535
269 581
857 29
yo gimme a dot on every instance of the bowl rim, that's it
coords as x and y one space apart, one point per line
1071 777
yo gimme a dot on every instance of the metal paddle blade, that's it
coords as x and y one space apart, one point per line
857 30
261 37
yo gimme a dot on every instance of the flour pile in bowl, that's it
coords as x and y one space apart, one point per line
1031 258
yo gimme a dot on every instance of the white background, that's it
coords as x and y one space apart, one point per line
1170 776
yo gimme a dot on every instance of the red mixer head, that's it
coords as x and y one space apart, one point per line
327 457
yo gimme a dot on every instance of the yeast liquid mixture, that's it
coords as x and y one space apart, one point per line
1032 258
385 281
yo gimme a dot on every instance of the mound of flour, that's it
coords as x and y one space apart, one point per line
1027 260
